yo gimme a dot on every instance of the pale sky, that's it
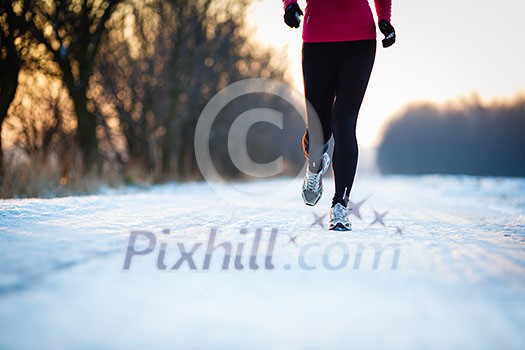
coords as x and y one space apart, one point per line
445 49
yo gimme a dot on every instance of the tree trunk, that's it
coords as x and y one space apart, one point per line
86 131
166 150
9 70
1 155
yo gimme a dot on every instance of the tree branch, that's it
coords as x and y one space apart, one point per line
97 35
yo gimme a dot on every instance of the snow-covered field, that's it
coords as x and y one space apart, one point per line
447 269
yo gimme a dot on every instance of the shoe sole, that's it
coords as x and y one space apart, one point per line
340 227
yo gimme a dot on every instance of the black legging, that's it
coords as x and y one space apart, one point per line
336 75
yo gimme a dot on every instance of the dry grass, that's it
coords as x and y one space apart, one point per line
38 176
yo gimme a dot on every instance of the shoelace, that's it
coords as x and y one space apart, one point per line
339 212
313 181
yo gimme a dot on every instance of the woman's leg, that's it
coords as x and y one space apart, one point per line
353 75
320 84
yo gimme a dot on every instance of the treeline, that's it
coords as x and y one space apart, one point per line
113 88
463 137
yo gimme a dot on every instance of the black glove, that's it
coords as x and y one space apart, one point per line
291 15
388 31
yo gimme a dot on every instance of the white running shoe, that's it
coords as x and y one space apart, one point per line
339 219
313 183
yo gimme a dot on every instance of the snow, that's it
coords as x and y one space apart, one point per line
458 282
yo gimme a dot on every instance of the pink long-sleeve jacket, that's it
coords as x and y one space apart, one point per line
341 20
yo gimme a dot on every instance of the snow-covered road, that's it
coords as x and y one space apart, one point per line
447 268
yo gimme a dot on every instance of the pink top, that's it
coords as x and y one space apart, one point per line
341 20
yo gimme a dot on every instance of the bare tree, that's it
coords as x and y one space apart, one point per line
71 31
159 79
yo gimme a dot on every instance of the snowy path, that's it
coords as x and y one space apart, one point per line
458 280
